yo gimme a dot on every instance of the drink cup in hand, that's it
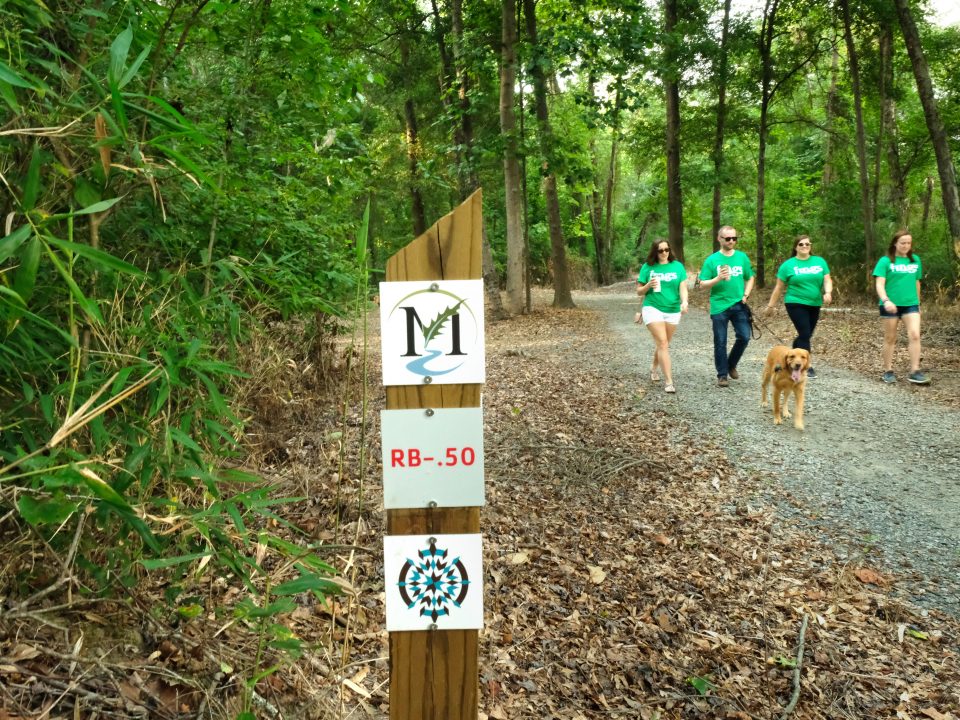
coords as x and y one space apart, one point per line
656 283
724 271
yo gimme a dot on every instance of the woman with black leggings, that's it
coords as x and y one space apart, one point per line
806 279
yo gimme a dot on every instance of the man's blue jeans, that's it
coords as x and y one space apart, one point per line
737 315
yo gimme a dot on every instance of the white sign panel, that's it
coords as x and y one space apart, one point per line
432 332
434 582
432 458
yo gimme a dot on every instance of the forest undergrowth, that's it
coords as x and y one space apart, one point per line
630 570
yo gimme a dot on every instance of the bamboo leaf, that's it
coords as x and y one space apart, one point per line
132 70
88 306
433 328
9 76
9 244
26 278
52 511
9 97
100 488
185 162
308 583
31 187
362 233
116 99
118 55
97 207
104 259
167 562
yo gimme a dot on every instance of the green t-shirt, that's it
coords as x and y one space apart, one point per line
902 276
804 280
727 293
671 274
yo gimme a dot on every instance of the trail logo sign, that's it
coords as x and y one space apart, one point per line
432 332
432 457
434 582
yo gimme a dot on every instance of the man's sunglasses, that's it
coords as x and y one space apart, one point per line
731 237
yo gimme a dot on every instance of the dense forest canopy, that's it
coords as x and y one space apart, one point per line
177 173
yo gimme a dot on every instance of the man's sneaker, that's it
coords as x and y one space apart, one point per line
919 378
722 381
889 377
734 375
811 373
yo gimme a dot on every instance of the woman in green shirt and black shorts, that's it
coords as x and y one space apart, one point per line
897 278
806 278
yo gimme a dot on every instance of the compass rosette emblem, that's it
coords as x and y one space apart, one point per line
433 582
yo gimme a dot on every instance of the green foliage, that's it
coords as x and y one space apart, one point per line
143 242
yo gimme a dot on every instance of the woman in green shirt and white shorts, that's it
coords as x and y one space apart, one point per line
662 283
897 280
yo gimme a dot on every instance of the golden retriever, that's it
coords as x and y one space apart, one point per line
787 368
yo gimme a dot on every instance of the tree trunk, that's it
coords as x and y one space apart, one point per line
671 79
562 296
927 197
467 179
861 143
766 94
721 124
890 132
948 178
511 163
417 212
832 110
606 239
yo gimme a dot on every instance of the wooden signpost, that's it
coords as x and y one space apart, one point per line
434 672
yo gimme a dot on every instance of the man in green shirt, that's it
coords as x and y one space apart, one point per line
729 275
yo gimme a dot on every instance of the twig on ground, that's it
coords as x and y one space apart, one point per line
796 672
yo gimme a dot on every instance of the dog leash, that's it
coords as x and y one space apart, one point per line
753 327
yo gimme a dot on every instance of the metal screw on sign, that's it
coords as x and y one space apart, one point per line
432 626
429 412
432 541
427 380
434 287
432 504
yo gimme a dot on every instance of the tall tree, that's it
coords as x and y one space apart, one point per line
796 57
767 89
511 163
467 179
888 123
941 147
866 208
721 80
562 296
671 85
417 211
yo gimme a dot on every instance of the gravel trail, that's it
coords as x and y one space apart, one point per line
877 469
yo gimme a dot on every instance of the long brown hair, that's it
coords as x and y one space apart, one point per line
653 258
796 241
892 249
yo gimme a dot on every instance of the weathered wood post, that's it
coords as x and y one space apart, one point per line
434 673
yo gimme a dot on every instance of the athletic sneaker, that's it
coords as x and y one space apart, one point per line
811 373
919 378
889 377
722 381
734 375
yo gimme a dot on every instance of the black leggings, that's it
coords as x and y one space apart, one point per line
804 319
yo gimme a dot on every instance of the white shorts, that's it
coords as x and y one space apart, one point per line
652 315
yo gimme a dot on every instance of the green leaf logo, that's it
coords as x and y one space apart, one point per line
432 329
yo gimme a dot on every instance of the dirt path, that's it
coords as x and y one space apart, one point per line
878 467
